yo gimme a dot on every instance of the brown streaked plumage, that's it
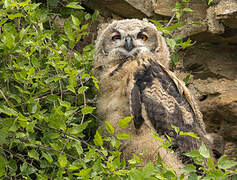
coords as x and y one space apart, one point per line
132 61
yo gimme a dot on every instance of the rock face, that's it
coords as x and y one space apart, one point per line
212 61
122 8
164 7
214 68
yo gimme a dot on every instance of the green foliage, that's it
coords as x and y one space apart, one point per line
180 8
175 43
168 28
45 87
123 123
209 2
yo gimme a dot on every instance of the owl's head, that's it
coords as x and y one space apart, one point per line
129 39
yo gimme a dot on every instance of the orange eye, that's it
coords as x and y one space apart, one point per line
116 37
142 36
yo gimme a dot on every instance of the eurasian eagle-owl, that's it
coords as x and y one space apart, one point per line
131 63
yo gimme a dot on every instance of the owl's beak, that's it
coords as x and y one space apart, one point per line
128 43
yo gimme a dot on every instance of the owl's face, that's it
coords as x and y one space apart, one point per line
129 38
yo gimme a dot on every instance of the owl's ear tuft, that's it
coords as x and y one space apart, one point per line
99 40
163 51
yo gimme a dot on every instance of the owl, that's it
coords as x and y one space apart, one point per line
132 64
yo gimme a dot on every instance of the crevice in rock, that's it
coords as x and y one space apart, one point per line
203 97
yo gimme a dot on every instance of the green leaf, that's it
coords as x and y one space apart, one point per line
98 138
210 163
33 154
26 170
194 153
85 172
169 138
78 128
187 43
186 79
12 166
176 129
187 10
148 170
74 5
178 14
2 166
62 160
13 16
9 2
68 27
188 134
135 175
197 23
115 143
77 145
170 174
3 135
192 176
175 26
82 89
209 2
96 82
52 3
136 159
189 168
175 58
47 156
224 163
75 20
204 151
156 136
71 88
123 123
9 40
123 136
196 156
95 15
171 43
64 103
71 112
87 110
8 111
85 76
109 127
87 16
83 27
87 48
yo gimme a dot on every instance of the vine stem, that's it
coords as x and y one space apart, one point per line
60 152
78 139
84 99
172 18
3 95
60 86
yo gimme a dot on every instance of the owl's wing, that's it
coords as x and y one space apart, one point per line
161 98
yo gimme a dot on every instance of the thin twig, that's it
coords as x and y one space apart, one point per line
60 3
17 155
66 139
4 97
49 148
78 139
170 20
60 86
84 100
